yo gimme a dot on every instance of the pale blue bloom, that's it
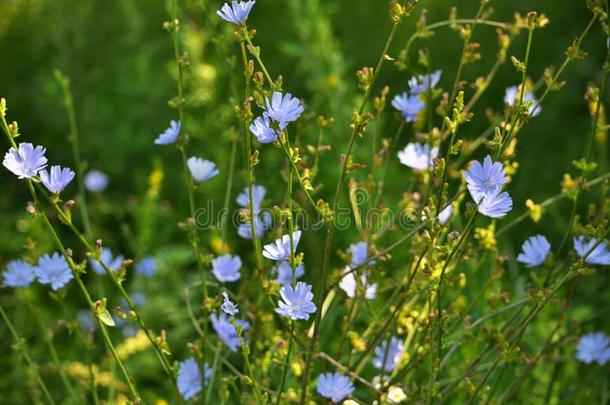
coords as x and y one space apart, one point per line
226 331
57 180
422 83
228 307
600 255
53 270
283 109
349 284
146 267
494 205
18 274
280 249
535 251
258 195
96 181
388 354
334 386
261 128
594 347
418 156
189 377
170 135
26 161
487 178
511 98
359 253
284 272
409 106
201 170
226 268
113 263
297 302
445 215
262 222
237 12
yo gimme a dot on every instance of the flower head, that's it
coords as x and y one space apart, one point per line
53 270
349 285
283 109
594 347
359 253
396 395
422 83
96 181
495 205
417 156
226 268
201 170
284 272
26 161
146 267
387 354
261 128
226 331
511 98
535 251
334 386
237 12
228 307
113 263
487 178
296 302
170 135
600 255
57 180
189 377
408 105
262 222
445 215
258 195
280 249
18 274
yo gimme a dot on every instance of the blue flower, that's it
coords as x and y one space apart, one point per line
226 268
201 170
387 354
170 135
409 106
53 270
261 128
57 180
494 205
359 253
283 109
26 161
280 250
189 377
262 222
349 284
593 347
599 255
146 267
226 331
535 251
18 274
113 263
237 12
445 215
422 83
418 156
297 302
487 178
228 307
96 181
334 386
284 272
258 195
511 98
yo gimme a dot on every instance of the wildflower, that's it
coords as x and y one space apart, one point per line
18 274
593 347
349 285
237 12
445 215
201 170
96 181
417 156
226 268
283 109
226 331
487 178
408 106
57 180
261 128
26 161
227 306
170 135
258 195
297 302
262 222
511 98
189 377
423 83
495 205
387 354
396 395
280 250
53 270
284 272
334 386
146 267
600 255
359 253
113 263
535 251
